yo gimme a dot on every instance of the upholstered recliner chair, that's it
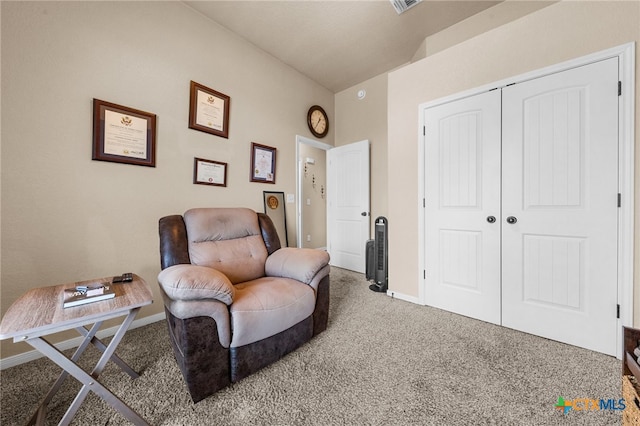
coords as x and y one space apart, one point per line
235 301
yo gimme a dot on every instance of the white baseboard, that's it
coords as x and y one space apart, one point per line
395 295
12 361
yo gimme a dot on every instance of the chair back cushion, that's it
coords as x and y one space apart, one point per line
226 239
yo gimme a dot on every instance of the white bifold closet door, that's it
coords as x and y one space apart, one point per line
553 272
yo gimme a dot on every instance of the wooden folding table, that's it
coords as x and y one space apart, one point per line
39 313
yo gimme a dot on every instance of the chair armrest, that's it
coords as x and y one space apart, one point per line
192 282
301 264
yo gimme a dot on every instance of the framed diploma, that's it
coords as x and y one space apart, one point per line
263 163
123 135
209 110
208 172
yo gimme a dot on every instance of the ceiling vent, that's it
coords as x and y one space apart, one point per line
403 5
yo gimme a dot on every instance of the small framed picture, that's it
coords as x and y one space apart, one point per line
123 135
209 110
274 208
209 172
263 163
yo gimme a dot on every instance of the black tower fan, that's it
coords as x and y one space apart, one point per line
378 258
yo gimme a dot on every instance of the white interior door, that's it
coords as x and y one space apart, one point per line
462 202
348 205
560 182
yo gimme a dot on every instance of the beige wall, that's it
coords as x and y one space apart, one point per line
314 200
551 35
360 119
66 217
493 17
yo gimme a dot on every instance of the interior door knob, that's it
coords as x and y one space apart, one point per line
512 219
363 214
491 219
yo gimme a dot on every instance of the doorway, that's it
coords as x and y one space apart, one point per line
343 200
311 190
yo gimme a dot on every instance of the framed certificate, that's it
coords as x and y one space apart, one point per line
209 172
209 110
263 163
123 135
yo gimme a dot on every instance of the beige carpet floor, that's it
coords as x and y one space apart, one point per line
381 361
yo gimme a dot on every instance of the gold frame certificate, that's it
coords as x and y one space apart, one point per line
123 135
209 172
209 110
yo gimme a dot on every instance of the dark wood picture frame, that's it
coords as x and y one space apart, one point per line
204 114
274 207
263 163
200 177
120 136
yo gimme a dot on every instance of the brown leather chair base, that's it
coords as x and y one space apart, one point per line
203 361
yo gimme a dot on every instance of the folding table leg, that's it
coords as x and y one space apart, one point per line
40 415
102 362
114 357
90 382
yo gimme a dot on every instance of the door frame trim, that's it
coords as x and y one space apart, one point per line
626 156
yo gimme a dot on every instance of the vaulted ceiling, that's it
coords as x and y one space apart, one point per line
338 43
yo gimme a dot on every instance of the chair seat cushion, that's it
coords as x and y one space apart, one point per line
266 306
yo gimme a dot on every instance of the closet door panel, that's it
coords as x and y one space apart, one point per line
462 189
559 186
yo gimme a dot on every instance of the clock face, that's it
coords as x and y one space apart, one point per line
318 122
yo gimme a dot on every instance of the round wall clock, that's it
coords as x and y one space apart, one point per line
318 121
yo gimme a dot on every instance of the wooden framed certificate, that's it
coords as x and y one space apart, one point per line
209 110
263 163
209 172
123 135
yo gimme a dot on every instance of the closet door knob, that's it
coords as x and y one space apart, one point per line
491 219
512 220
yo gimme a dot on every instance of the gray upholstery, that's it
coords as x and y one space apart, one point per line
192 282
232 293
229 241
300 264
267 306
